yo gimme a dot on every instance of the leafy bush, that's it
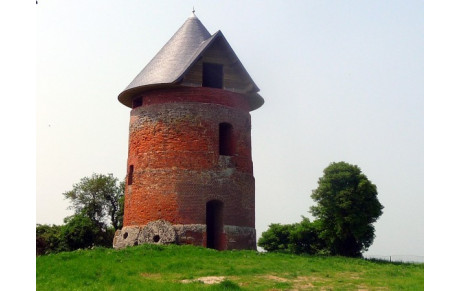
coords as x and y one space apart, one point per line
48 239
96 200
80 232
298 238
305 238
347 208
276 238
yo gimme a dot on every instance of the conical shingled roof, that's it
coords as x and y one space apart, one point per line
171 63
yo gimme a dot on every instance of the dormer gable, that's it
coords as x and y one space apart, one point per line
219 53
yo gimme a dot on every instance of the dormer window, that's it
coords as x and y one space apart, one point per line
213 75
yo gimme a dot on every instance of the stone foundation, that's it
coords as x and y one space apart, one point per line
163 232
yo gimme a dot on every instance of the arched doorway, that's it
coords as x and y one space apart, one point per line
214 224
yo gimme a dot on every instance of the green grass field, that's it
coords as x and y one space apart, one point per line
152 267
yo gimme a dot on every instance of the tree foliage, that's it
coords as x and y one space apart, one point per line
276 238
347 208
298 238
48 239
80 232
305 238
98 202
100 198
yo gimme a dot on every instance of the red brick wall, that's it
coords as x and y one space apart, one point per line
196 94
174 148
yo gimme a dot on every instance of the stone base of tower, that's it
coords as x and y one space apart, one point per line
162 232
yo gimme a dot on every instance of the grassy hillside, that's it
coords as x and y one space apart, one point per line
152 267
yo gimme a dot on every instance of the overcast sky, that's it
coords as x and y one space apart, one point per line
342 81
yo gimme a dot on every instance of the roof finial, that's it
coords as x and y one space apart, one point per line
193 13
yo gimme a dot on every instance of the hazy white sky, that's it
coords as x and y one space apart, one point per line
342 81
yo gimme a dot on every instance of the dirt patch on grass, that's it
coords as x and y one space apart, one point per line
275 278
299 283
350 275
206 280
305 282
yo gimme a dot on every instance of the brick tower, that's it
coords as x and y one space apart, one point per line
189 172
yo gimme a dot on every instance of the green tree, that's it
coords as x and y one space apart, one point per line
117 220
79 232
48 239
347 208
298 238
100 198
276 238
305 238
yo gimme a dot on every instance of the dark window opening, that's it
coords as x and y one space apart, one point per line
130 174
137 102
226 142
214 224
213 75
